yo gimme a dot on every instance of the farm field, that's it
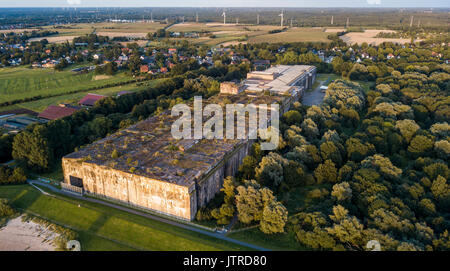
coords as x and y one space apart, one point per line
130 30
231 34
369 37
87 28
20 82
295 34
215 27
104 228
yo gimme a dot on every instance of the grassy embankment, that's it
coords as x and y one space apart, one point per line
105 228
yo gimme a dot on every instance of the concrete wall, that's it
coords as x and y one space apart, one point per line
230 88
261 75
207 188
131 189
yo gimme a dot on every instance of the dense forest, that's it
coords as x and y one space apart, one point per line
364 165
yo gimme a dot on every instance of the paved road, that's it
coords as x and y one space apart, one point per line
314 97
147 215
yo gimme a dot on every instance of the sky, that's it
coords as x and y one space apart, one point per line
226 3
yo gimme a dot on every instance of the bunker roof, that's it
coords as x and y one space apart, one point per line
148 148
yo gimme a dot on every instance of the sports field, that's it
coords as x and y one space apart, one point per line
20 82
104 228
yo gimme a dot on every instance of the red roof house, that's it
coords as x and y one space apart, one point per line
144 69
54 112
90 99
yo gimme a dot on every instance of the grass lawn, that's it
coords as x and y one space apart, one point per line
282 241
104 228
21 82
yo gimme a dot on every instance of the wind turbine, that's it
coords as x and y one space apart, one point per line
196 17
224 15
257 19
348 22
412 20
282 18
332 20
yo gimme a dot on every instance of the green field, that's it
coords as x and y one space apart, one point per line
104 228
296 34
20 82
40 105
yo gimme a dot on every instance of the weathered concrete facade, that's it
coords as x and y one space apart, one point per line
230 88
132 189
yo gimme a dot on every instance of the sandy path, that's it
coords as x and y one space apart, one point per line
26 236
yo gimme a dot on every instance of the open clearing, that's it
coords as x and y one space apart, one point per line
20 235
20 82
369 37
104 228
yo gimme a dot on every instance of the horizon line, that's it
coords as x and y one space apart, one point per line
328 7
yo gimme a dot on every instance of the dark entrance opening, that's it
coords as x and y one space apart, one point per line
76 181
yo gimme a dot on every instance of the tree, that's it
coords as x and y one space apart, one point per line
33 147
293 136
342 191
407 128
134 64
292 117
329 151
347 229
310 128
383 165
274 218
115 154
420 146
251 200
441 130
270 170
357 150
442 149
326 172
440 188
247 168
